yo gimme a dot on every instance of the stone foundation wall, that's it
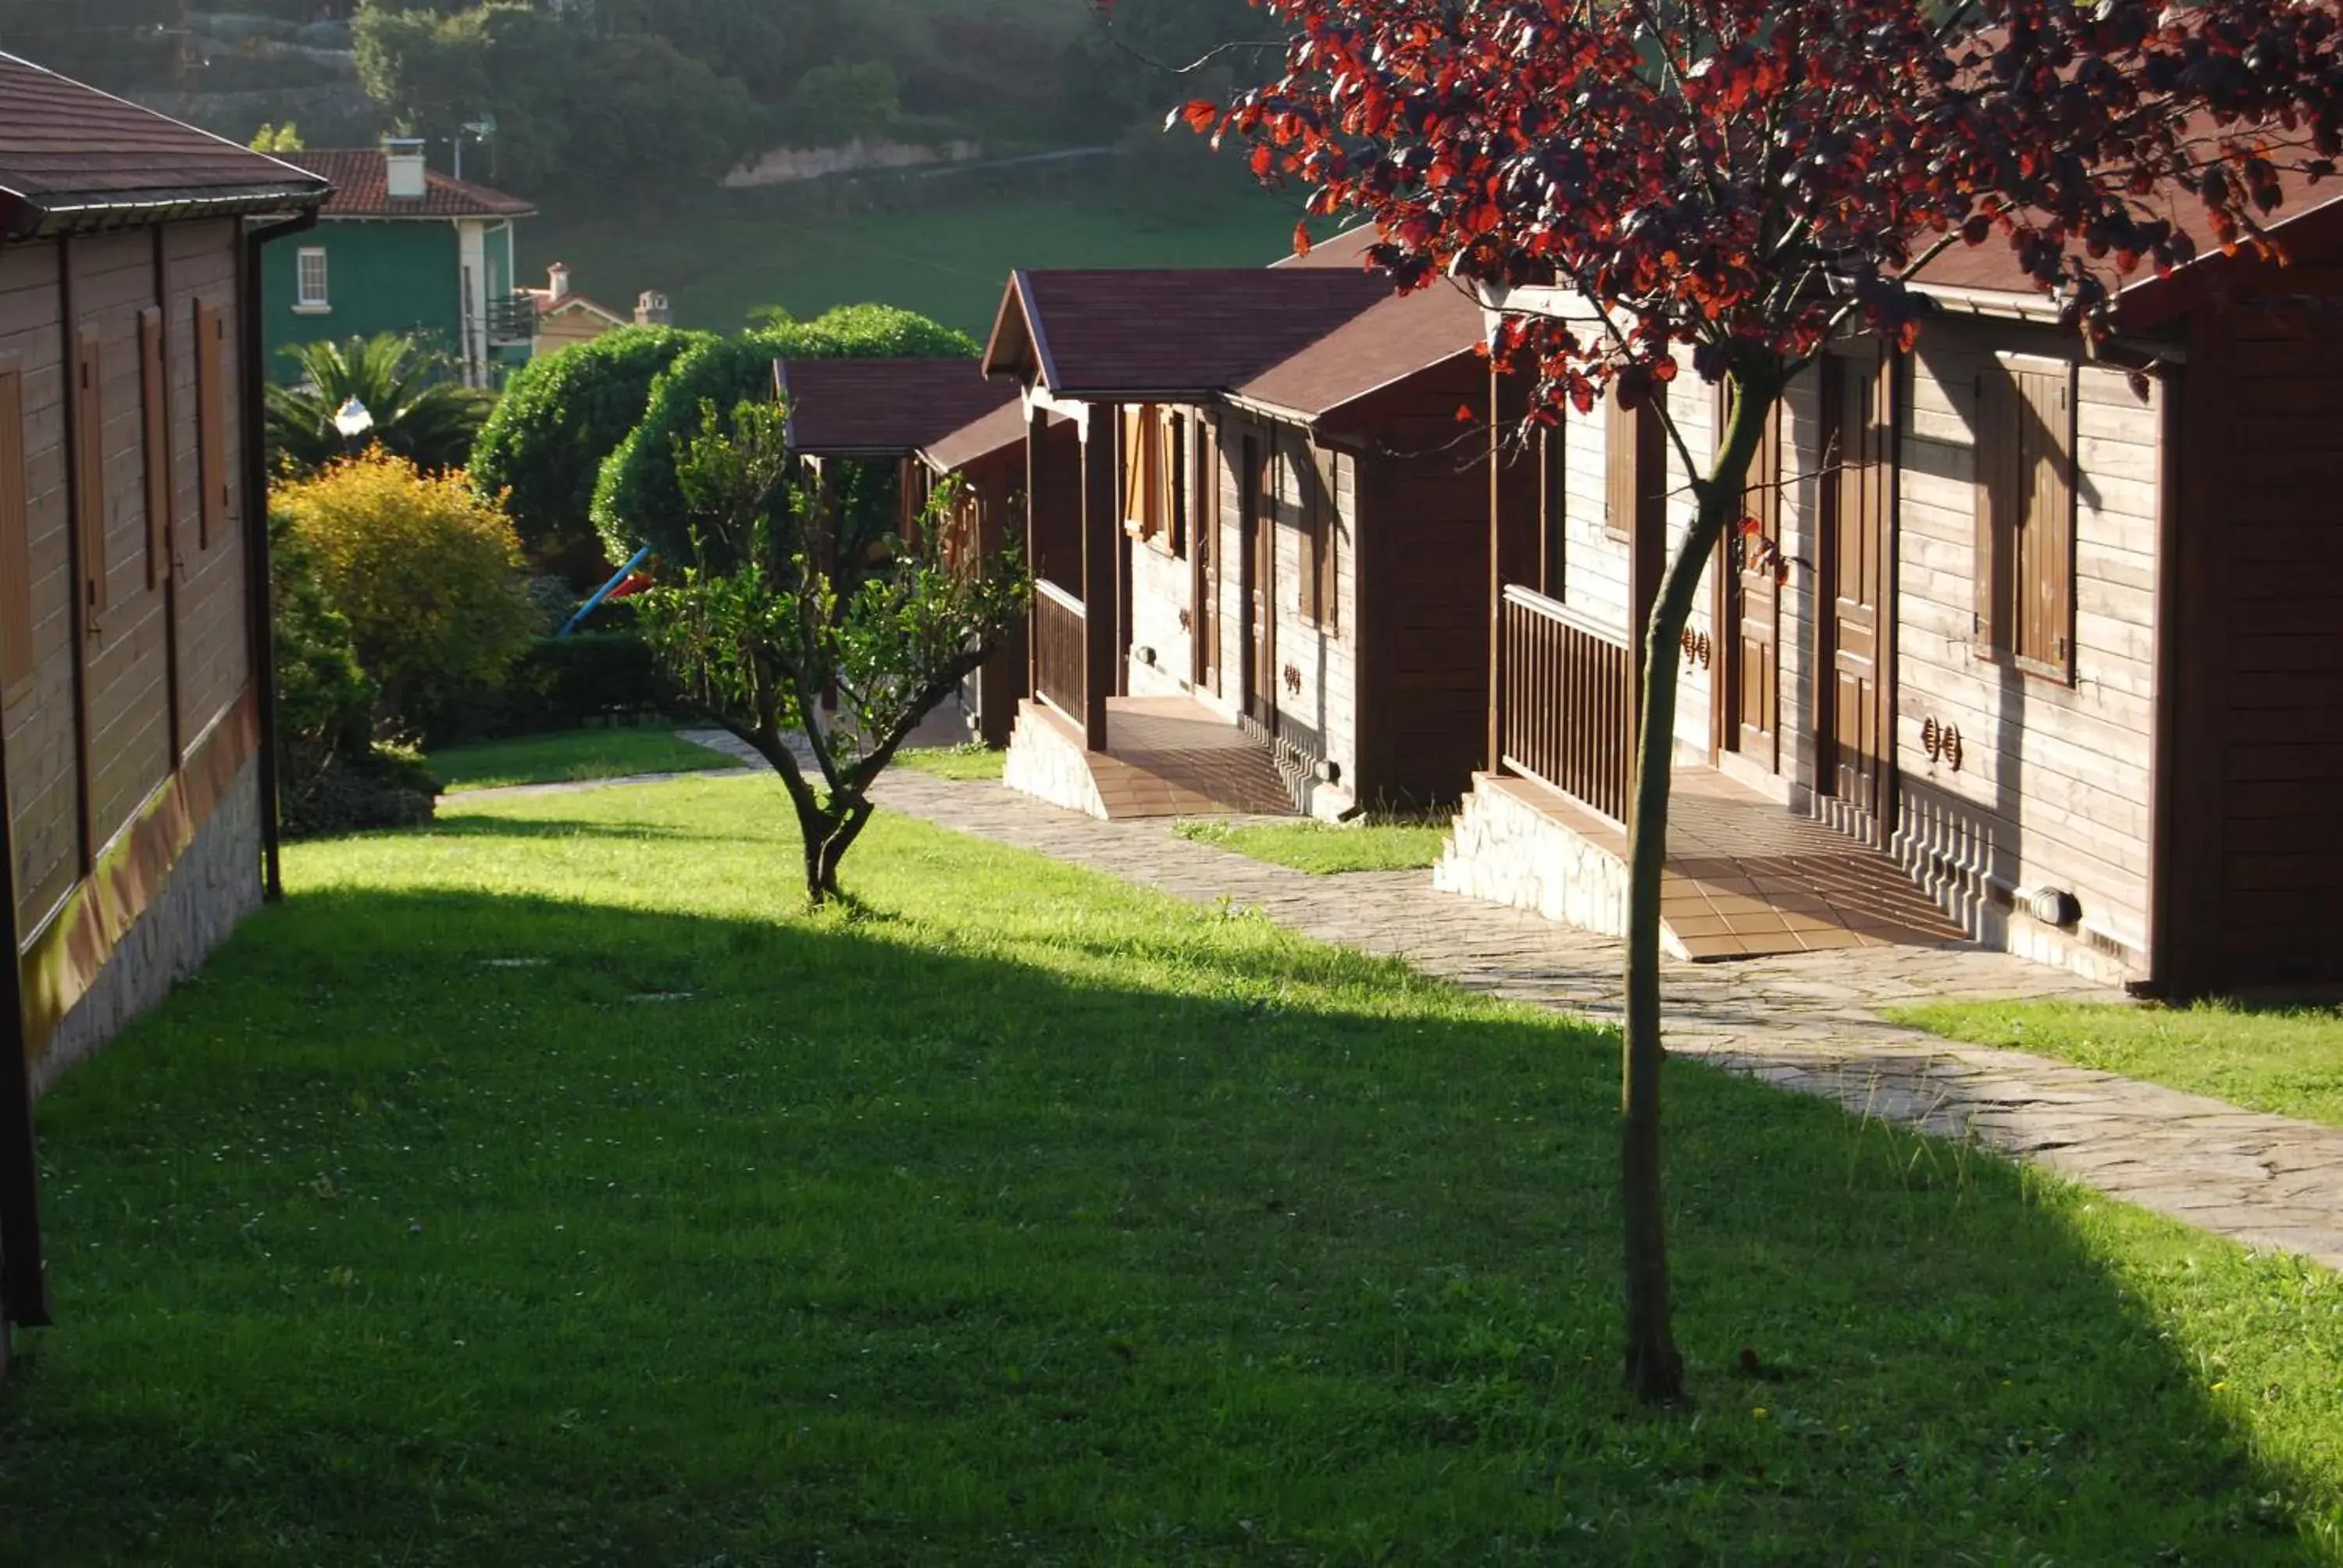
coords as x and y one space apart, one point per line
1047 763
216 884
1506 852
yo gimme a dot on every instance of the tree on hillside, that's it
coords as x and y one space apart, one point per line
416 408
639 500
755 633
560 415
572 107
1742 180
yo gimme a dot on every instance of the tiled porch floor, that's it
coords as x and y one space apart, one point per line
1169 756
1746 878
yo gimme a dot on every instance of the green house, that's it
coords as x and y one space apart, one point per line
402 249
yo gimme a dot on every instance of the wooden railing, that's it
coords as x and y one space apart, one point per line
1060 650
1565 714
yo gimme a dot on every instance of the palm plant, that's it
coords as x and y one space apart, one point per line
418 408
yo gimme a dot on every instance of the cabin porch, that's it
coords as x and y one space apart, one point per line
1744 877
1165 757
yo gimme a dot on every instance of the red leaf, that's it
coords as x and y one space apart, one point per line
1199 112
1302 242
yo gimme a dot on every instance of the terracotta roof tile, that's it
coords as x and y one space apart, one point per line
67 149
1171 333
361 177
884 408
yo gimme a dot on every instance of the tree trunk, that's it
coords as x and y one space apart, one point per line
1655 1369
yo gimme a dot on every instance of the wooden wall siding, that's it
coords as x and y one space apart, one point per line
2053 787
1801 512
1162 586
2279 645
126 688
1424 594
119 299
214 650
1322 717
1694 404
1597 561
15 543
38 711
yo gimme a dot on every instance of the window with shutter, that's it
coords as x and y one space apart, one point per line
211 423
89 472
1314 472
15 534
155 417
2025 513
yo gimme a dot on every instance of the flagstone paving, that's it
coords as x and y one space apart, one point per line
1807 1022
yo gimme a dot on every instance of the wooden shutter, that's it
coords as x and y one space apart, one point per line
2024 567
89 471
1314 466
16 535
1622 442
155 414
1172 478
2043 568
211 422
1137 454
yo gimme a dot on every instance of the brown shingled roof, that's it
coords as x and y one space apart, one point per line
1168 333
361 177
882 407
71 154
1398 337
1005 428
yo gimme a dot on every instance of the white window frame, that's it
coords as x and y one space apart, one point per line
306 303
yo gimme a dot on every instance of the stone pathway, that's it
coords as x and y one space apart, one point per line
1808 1022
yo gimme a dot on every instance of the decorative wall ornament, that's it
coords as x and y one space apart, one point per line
1942 742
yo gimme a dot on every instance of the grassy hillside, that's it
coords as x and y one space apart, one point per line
948 257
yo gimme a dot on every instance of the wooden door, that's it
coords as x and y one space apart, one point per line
1855 735
1261 580
1204 549
1749 687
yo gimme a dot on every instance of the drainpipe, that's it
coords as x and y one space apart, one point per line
257 590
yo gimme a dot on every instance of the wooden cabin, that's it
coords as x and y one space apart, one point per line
1266 535
2039 629
886 416
138 801
987 457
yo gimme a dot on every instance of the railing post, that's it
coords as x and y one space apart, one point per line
1100 532
1498 673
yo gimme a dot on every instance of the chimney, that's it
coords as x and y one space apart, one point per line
557 281
651 309
403 168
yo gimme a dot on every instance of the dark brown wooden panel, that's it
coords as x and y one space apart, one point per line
211 423
15 542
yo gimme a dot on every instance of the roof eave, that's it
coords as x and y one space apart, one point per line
82 212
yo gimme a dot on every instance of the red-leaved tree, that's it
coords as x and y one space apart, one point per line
1730 184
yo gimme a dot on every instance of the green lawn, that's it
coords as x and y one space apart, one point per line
544 1188
719 259
970 762
1325 847
570 756
2285 1059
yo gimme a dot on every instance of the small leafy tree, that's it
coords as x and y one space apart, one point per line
755 633
1744 180
426 574
560 417
638 501
421 411
332 776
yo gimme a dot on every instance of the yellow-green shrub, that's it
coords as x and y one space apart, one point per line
427 572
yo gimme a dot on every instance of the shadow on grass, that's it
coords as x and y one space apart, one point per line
474 1230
